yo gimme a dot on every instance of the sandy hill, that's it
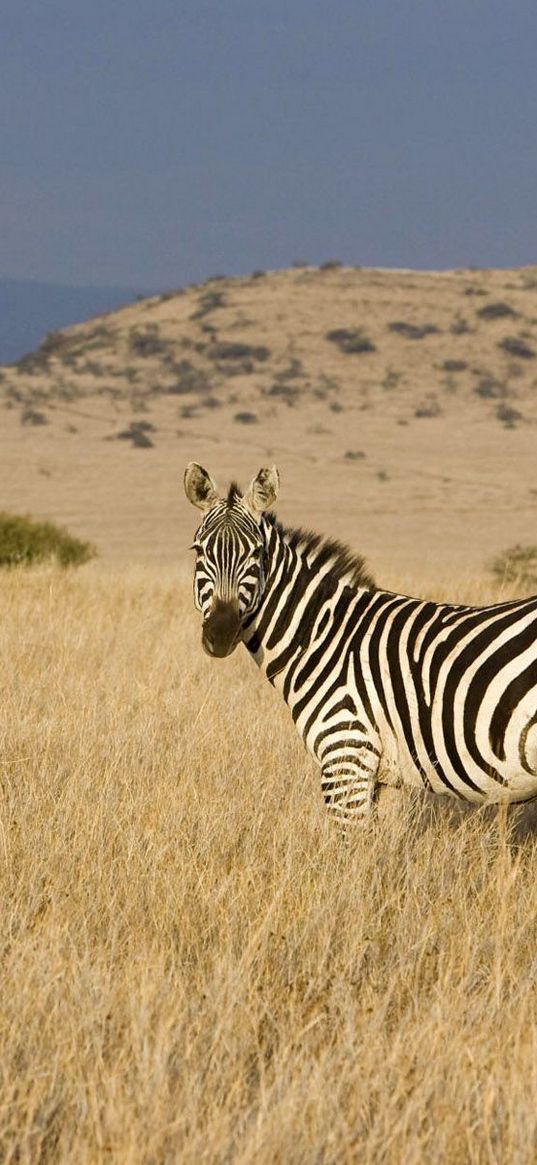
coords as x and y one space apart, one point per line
400 407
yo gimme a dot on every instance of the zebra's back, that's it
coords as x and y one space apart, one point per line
452 692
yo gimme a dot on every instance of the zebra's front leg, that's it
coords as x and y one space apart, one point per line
348 783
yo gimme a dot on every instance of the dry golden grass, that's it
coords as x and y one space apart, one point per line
192 969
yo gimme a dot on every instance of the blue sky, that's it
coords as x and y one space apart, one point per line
156 142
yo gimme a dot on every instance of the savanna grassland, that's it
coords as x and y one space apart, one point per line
193 968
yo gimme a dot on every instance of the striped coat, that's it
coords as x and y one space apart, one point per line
380 686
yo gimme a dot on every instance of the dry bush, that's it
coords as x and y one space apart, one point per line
192 968
353 341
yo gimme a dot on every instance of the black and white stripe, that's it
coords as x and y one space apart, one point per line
443 697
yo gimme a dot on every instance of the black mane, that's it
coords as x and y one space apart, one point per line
344 563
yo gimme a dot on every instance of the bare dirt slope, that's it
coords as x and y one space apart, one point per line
401 408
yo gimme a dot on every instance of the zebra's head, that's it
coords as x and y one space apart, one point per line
229 576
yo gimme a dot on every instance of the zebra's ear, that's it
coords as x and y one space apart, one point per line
262 491
200 488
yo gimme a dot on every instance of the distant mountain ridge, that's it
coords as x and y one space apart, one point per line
29 309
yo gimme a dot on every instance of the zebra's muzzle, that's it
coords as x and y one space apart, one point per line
221 629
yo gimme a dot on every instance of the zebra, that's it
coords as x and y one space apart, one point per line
382 687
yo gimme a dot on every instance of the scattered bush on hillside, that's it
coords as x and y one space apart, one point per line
496 311
353 341
391 378
237 350
286 392
517 346
428 407
354 455
54 342
188 379
138 434
412 331
281 386
508 415
148 342
490 388
246 418
173 293
293 370
32 363
515 371
92 368
30 416
460 326
454 365
331 265
258 274
236 368
99 337
24 541
324 386
517 564
209 301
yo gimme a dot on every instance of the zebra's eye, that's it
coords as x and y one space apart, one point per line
195 546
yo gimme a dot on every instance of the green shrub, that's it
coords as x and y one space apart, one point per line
516 346
460 326
428 407
24 541
208 302
391 378
148 342
517 564
496 311
412 331
236 350
280 388
30 416
351 340
490 388
454 365
189 378
246 418
508 415
138 433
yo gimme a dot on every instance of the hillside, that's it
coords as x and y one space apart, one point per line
400 407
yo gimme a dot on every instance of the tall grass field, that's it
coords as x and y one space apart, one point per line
193 968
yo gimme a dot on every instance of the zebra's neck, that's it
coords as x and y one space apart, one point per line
307 578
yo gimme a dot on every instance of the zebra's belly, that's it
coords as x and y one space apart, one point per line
465 765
